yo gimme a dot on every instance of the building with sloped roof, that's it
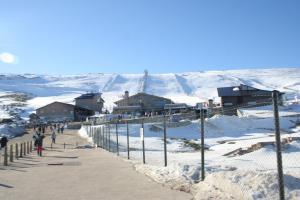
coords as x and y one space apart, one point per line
91 101
58 112
243 96
141 103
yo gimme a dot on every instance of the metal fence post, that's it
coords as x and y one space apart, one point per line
128 157
202 145
165 141
109 137
278 144
106 136
103 139
98 138
117 138
143 141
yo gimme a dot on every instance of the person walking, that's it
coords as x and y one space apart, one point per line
3 142
35 137
53 137
40 144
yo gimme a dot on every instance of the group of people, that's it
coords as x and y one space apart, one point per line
38 138
40 134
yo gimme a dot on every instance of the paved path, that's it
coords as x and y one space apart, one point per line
78 174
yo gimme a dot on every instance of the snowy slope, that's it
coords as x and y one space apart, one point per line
190 87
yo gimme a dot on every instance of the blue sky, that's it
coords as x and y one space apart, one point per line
128 36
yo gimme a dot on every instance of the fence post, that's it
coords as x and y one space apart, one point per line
97 138
24 148
5 156
27 147
11 154
202 145
128 157
278 144
165 141
143 141
103 138
21 150
117 138
17 151
106 136
109 137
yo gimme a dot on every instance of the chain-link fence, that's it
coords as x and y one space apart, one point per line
252 155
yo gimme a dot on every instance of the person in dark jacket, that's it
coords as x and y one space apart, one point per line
40 144
3 142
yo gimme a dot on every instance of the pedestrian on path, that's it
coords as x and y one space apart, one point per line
35 137
40 144
3 142
53 136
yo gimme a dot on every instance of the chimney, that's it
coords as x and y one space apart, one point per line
126 96
210 103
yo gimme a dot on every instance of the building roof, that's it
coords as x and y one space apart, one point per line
89 96
65 104
242 90
143 94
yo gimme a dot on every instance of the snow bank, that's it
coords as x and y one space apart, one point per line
241 184
83 132
11 130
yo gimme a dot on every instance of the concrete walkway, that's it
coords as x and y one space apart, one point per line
78 174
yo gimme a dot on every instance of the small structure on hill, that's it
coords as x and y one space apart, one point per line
141 103
90 101
58 111
243 96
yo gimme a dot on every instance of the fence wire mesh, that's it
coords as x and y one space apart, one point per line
240 151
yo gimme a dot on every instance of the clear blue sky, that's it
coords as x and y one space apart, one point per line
128 36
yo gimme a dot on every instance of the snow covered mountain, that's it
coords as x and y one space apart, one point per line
190 87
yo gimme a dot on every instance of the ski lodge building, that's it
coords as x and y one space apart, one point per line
141 103
243 96
58 112
90 101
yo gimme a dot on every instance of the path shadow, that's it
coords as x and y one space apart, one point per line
6 186
71 157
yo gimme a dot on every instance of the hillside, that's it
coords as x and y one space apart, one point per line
189 87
